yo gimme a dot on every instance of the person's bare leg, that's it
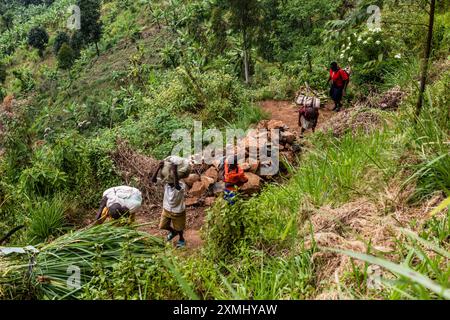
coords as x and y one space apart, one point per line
172 231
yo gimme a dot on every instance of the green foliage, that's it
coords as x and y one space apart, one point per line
46 218
3 73
167 63
42 179
66 57
133 278
274 83
76 42
429 138
265 278
230 227
60 39
421 275
7 20
214 96
3 93
24 81
38 38
91 26
91 251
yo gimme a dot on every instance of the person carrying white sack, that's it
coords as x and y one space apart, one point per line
164 171
119 202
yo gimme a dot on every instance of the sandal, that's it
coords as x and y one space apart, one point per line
171 236
181 244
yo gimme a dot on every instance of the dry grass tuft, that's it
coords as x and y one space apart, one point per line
357 224
139 168
354 120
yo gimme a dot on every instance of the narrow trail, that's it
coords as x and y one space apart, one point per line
285 111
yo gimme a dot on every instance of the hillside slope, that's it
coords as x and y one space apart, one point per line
360 211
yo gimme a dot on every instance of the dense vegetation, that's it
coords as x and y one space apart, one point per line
138 70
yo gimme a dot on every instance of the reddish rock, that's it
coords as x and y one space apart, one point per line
266 165
191 179
288 137
192 201
253 185
212 173
197 190
251 141
207 181
262 124
216 163
277 124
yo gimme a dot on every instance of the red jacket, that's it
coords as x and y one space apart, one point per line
338 77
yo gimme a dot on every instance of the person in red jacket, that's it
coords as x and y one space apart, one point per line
339 80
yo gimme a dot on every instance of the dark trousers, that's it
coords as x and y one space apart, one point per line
336 94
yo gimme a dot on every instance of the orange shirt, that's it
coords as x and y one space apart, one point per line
234 177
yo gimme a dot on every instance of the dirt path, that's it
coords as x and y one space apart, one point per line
285 111
149 218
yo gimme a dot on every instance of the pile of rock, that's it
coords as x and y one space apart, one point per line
206 184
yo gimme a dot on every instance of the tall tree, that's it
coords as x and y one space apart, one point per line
426 58
91 26
38 38
245 17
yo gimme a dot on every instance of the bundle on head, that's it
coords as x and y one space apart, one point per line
46 274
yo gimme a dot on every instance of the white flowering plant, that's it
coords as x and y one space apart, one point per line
366 52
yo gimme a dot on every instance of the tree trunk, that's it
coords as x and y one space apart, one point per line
426 59
98 51
246 57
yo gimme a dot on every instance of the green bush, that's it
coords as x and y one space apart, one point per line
66 57
60 39
46 218
38 38
230 227
24 80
